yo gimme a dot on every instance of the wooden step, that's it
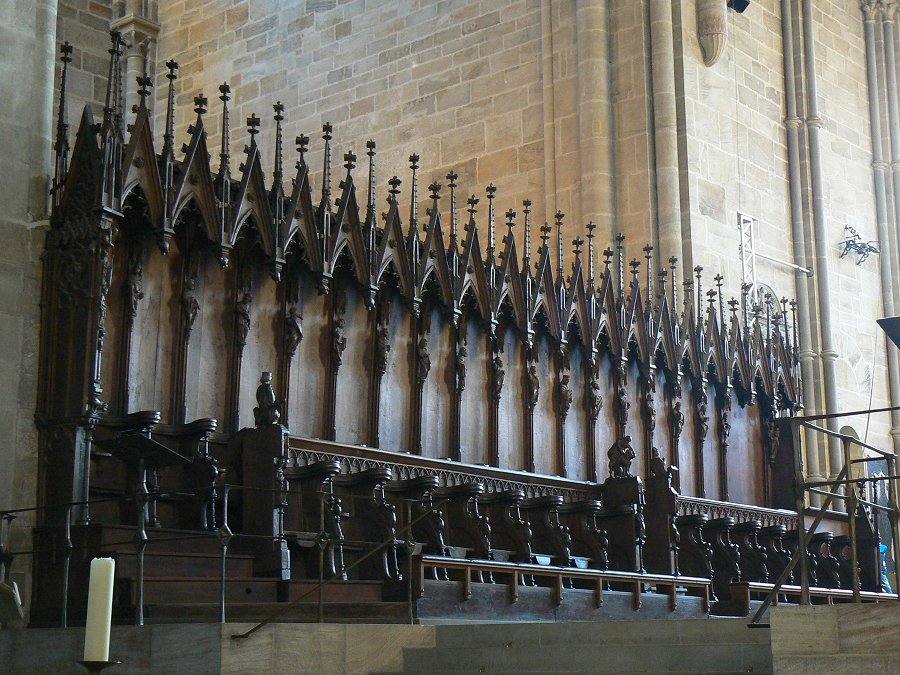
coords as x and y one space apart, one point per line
183 564
338 591
121 538
307 612
184 590
188 590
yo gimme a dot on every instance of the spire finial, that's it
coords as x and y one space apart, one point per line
607 258
454 227
200 103
526 206
302 143
648 256
673 263
545 234
473 203
559 226
491 191
414 195
326 169
144 83
61 148
577 243
395 183
591 226
169 134
349 161
253 125
278 109
620 258
697 272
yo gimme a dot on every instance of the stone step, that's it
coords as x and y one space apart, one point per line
713 657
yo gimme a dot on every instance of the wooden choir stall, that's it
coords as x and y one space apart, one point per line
250 384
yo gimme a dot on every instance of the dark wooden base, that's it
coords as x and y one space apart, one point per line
443 602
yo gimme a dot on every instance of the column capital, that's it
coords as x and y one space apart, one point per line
139 26
869 9
888 10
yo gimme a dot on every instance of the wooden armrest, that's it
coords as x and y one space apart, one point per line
141 420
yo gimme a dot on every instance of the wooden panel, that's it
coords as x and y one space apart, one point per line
309 370
474 409
397 382
156 326
353 376
512 407
438 390
210 342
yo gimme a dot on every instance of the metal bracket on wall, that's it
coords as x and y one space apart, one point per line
853 243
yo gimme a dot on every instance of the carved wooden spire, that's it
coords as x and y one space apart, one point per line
61 147
454 231
168 149
620 262
526 261
326 168
559 241
491 191
590 242
370 201
278 173
414 195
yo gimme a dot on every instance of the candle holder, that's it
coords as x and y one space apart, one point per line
97 667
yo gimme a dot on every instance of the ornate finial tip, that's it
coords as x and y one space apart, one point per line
435 188
370 145
326 129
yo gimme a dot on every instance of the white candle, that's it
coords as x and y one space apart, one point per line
99 609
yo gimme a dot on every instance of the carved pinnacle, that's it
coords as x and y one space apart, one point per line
395 188
472 202
435 189
545 233
349 160
144 83
200 103
577 242
302 142
253 123
607 257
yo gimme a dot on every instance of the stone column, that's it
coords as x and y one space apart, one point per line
594 111
792 124
828 353
667 237
27 60
139 28
880 168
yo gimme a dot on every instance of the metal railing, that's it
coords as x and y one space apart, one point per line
221 532
838 489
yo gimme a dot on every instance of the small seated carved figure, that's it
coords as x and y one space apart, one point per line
621 454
